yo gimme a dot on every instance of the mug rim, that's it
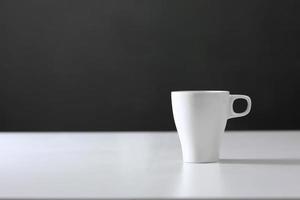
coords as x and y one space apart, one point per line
200 91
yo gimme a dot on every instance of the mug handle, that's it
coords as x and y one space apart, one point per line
234 97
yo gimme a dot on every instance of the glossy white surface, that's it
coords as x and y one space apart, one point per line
147 165
200 118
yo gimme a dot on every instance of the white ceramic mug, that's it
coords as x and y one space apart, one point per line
200 118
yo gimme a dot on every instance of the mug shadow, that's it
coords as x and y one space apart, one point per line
261 161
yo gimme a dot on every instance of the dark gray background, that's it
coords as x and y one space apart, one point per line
110 65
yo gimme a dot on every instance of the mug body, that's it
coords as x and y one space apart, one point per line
200 118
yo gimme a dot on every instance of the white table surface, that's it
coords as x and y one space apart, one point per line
145 165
